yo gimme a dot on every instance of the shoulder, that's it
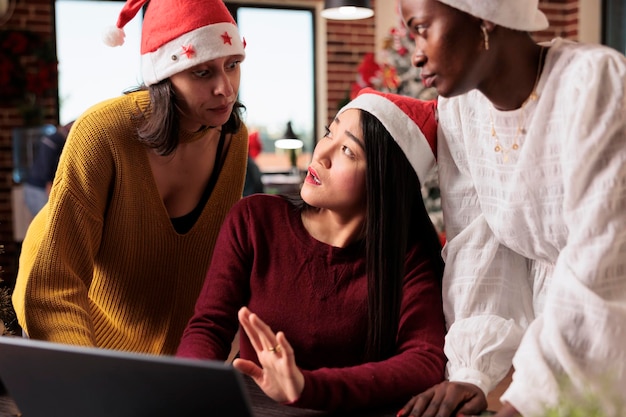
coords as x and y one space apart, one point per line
582 77
261 215
264 206
585 64
137 101
570 51
113 118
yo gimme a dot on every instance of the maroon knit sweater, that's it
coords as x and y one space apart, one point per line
317 295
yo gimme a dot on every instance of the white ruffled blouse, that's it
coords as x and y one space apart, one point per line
536 254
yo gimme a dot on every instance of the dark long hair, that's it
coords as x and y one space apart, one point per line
161 130
396 219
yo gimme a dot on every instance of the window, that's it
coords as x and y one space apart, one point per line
89 70
278 75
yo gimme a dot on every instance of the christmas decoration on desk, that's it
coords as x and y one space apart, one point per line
28 73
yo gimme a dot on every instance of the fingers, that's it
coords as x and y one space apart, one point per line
475 400
444 400
417 404
278 375
408 407
248 368
253 336
260 334
283 343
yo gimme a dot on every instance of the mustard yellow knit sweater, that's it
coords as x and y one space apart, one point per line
101 264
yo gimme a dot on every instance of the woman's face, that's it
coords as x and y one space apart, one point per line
448 44
207 92
336 176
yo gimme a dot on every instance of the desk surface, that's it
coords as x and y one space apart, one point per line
262 406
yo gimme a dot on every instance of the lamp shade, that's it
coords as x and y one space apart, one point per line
288 144
289 140
347 9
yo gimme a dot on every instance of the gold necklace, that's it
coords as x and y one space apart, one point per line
521 122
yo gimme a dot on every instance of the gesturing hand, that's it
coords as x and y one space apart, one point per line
445 400
279 377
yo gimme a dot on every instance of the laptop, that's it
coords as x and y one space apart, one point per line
53 380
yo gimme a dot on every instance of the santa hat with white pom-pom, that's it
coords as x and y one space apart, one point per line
179 34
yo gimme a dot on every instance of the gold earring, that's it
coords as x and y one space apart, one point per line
485 36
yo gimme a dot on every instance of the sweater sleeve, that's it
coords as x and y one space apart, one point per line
417 364
56 265
582 332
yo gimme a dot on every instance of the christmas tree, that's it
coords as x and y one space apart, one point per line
396 74
399 76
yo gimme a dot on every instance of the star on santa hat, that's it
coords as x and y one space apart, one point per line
189 51
226 38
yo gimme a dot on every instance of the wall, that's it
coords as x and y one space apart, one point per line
340 49
590 17
563 18
35 16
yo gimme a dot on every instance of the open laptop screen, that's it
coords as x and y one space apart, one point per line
48 379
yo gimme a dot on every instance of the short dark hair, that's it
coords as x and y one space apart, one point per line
160 131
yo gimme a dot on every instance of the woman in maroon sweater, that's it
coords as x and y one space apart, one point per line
349 274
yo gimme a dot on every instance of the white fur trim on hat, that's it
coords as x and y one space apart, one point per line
405 132
207 43
521 15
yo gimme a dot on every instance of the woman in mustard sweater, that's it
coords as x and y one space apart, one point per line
118 256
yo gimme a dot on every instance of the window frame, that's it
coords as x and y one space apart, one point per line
233 7
614 24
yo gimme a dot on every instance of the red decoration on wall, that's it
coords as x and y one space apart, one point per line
28 72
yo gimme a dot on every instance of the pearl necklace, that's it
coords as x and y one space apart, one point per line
521 123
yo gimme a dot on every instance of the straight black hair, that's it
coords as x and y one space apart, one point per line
396 219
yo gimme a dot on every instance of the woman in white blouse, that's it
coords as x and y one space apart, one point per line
532 162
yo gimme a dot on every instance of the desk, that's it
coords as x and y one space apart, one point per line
262 406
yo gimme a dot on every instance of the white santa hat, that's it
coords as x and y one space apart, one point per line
179 34
411 122
521 15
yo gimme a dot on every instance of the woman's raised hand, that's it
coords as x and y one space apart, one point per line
279 377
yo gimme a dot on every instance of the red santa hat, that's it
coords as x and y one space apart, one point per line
179 34
411 122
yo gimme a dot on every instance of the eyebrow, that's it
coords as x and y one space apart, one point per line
351 136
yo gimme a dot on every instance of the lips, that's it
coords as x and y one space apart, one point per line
427 79
222 109
312 177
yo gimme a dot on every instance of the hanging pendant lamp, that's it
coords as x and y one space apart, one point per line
347 9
